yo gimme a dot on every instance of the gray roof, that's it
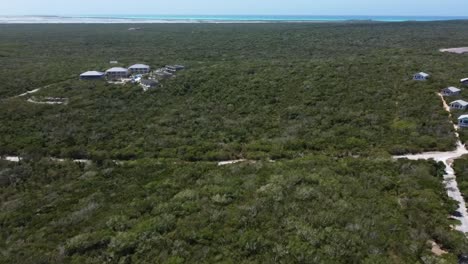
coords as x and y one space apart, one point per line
146 81
92 73
463 117
176 67
461 102
453 89
117 69
423 74
139 66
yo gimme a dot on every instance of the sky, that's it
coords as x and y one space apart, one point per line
236 7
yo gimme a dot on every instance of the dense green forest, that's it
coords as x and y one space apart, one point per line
258 91
310 210
317 108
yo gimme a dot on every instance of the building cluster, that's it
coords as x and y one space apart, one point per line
451 91
116 73
137 73
168 71
457 104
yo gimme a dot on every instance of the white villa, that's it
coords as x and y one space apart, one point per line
450 91
139 69
459 104
117 73
422 76
92 75
463 121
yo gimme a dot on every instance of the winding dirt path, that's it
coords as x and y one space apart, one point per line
450 179
50 101
40 88
230 162
29 92
18 159
446 157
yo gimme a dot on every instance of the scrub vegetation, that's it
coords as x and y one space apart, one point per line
461 170
330 103
311 210
257 91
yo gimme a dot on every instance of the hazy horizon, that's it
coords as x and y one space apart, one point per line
201 14
448 8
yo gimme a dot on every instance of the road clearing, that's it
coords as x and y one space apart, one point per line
450 179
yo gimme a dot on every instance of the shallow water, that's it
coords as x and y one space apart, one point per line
129 18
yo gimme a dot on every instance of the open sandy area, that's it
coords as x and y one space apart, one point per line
460 50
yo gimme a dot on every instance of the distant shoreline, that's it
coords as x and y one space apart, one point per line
221 19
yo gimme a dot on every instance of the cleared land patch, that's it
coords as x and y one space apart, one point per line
461 50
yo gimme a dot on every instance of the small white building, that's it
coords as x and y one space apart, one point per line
464 81
422 76
463 121
450 91
139 69
459 104
117 73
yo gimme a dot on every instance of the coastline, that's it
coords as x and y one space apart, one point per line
198 19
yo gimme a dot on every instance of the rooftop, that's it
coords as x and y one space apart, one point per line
148 82
453 89
139 66
92 73
423 74
463 117
461 102
117 69
176 67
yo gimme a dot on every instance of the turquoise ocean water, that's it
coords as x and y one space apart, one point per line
272 18
213 19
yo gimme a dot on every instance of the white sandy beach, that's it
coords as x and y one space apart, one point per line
107 20
216 19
